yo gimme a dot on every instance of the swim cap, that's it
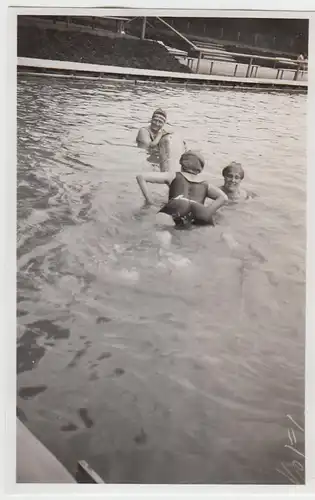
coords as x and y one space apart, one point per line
160 112
233 166
200 158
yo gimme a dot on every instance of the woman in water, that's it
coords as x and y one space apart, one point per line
188 191
157 141
233 175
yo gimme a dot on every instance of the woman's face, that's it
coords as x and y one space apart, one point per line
232 180
157 122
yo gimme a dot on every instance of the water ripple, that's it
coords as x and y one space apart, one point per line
203 334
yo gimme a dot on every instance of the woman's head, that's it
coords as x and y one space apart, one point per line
192 162
158 119
233 175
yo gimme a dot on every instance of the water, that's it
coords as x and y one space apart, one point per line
160 355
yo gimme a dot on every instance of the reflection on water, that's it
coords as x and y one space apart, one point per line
159 355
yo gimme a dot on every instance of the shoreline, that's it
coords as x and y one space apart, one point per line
69 69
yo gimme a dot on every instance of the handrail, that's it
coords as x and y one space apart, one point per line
115 18
177 32
248 56
297 66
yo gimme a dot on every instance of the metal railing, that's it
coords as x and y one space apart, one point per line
297 66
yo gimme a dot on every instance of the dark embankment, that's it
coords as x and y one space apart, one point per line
94 49
288 36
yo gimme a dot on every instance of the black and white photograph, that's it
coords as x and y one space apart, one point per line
161 247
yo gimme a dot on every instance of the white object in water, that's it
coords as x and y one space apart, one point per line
131 275
178 260
177 149
230 241
164 238
164 219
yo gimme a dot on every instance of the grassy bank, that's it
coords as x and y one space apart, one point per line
73 46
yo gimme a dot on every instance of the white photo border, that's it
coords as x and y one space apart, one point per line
276 8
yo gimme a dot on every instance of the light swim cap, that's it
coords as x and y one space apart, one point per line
200 158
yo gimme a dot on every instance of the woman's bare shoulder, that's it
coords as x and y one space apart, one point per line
143 132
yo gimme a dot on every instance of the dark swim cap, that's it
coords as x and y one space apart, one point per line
234 166
199 157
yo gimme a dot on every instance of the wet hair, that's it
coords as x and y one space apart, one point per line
160 112
199 157
233 166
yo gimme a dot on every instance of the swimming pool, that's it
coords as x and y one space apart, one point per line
160 355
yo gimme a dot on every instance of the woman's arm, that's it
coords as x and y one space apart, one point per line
220 198
144 139
165 154
154 178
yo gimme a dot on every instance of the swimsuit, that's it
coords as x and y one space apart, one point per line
181 186
155 151
196 191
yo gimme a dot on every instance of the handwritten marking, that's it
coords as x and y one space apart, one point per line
287 473
295 423
294 471
294 449
292 437
298 467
